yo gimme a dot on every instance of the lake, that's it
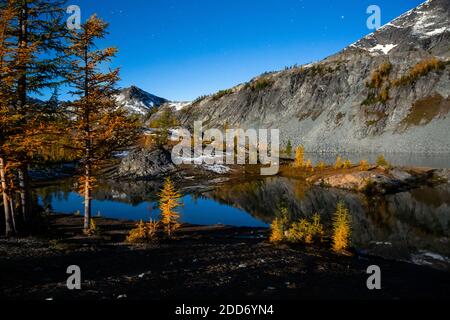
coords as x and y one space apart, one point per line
411 226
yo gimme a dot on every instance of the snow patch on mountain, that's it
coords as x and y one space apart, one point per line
383 48
178 106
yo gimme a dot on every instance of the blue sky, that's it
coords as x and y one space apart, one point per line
181 49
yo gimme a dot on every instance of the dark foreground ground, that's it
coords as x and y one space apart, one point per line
202 263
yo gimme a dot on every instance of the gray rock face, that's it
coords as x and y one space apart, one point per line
443 174
143 164
334 106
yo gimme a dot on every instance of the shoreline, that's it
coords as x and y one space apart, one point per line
201 262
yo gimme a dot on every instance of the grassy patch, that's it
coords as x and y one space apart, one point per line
260 84
425 110
221 94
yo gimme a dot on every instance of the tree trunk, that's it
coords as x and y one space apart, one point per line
9 229
22 93
25 199
12 213
87 197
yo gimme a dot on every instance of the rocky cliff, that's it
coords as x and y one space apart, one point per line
388 92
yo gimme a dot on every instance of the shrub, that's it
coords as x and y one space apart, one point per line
347 164
321 165
199 99
299 157
221 94
341 228
364 165
143 232
384 94
380 75
260 84
138 234
300 231
419 70
380 85
309 166
278 227
381 161
339 164
306 231
93 229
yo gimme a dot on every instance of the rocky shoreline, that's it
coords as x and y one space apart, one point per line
202 262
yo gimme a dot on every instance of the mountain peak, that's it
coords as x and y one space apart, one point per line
420 28
137 101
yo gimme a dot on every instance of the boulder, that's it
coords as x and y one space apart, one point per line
146 164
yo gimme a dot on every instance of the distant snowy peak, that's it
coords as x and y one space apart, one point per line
418 26
138 101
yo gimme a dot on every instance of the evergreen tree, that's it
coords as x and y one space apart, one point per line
163 125
289 149
99 128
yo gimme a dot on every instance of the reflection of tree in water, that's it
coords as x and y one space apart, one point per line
415 219
300 188
59 191
404 220
379 212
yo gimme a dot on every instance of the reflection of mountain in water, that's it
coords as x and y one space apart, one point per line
412 225
394 225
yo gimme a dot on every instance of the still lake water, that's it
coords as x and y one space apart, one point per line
412 226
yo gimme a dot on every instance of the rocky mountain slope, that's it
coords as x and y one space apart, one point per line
388 92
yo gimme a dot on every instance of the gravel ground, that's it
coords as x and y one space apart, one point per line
201 263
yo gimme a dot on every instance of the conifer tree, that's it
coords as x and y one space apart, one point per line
99 128
341 228
339 164
299 157
31 43
289 149
169 200
7 119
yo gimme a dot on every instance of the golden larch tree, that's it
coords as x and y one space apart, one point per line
100 127
341 228
31 43
169 200
299 157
